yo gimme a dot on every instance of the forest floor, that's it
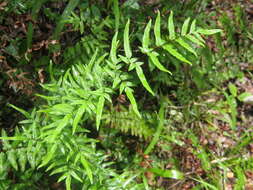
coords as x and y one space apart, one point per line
223 126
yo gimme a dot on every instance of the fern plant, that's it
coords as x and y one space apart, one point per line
127 121
189 39
56 136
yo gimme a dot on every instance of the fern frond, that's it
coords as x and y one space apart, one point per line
128 122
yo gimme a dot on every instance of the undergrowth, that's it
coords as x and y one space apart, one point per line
127 103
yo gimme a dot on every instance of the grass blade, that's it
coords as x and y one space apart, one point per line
25 113
17 138
174 174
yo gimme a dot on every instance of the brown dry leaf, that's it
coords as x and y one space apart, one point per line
2 5
2 58
41 76
150 177
251 148
151 2
121 98
228 186
249 186
188 185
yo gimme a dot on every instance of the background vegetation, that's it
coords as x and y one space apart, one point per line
126 94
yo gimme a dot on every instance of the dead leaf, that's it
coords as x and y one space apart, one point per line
2 5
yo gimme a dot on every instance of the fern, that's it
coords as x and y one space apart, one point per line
55 137
127 121
189 37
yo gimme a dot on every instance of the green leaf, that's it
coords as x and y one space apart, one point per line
199 37
157 30
62 108
145 38
186 46
48 156
74 174
92 61
116 12
156 62
127 48
175 53
207 185
59 170
64 176
77 158
124 59
158 130
241 179
87 169
62 124
67 11
26 114
129 180
131 66
113 52
171 27
17 138
12 157
122 87
36 8
101 58
232 89
185 27
51 73
5 143
78 116
68 182
193 26
145 182
3 164
129 93
116 81
194 40
208 32
246 97
143 79
99 112
174 174
49 98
